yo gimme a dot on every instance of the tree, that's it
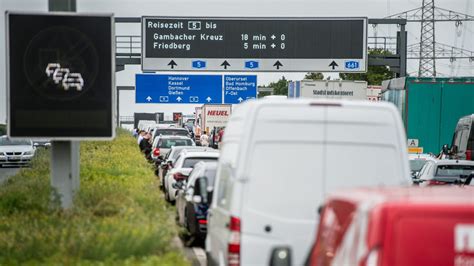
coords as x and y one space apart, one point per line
314 76
375 74
280 87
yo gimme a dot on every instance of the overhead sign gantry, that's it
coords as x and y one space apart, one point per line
254 44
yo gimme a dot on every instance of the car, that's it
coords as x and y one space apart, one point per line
162 144
41 143
146 124
170 158
395 226
182 167
16 152
59 74
193 202
417 161
157 131
168 124
73 80
279 159
189 124
445 172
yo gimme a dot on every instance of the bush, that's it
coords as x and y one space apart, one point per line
119 217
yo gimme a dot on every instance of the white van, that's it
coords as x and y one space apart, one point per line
279 160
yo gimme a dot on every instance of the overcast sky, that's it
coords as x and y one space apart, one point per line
445 32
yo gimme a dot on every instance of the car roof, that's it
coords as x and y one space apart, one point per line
191 154
445 194
206 165
422 156
454 162
173 137
170 128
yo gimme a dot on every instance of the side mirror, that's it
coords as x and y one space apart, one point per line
197 199
210 192
281 256
446 149
417 181
320 209
454 149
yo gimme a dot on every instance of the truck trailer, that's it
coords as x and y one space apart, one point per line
430 107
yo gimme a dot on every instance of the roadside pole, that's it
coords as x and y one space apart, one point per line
64 154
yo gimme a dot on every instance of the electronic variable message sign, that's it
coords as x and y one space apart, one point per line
254 44
60 75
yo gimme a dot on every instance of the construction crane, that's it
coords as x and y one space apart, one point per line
428 50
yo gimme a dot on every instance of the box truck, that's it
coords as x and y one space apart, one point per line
430 107
210 117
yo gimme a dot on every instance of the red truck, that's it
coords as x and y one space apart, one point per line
397 226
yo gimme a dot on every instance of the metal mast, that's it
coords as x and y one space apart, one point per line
427 67
428 50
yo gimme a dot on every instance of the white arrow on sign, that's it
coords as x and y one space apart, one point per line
240 99
149 99
208 99
179 99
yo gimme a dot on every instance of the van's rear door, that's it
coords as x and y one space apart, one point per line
283 187
363 148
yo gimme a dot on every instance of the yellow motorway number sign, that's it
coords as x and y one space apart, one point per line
415 149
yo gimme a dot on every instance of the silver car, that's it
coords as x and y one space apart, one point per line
445 172
162 145
15 152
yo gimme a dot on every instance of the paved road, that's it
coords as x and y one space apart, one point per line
7 172
196 255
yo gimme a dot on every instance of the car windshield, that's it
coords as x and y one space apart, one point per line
454 170
416 165
7 141
190 162
168 143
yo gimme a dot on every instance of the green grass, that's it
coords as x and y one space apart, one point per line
119 217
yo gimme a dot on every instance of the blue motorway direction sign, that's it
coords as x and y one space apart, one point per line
238 88
195 89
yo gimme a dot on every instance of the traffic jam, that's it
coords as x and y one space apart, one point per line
353 161
281 182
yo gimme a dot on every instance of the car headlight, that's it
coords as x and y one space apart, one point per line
28 153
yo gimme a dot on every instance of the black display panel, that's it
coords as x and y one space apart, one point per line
60 75
254 38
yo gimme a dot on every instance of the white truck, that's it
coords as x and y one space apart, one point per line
330 89
214 116
210 117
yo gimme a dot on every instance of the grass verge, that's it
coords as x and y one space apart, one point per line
119 217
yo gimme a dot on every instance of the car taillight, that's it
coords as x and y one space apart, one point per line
179 176
469 155
436 183
156 152
233 258
202 221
